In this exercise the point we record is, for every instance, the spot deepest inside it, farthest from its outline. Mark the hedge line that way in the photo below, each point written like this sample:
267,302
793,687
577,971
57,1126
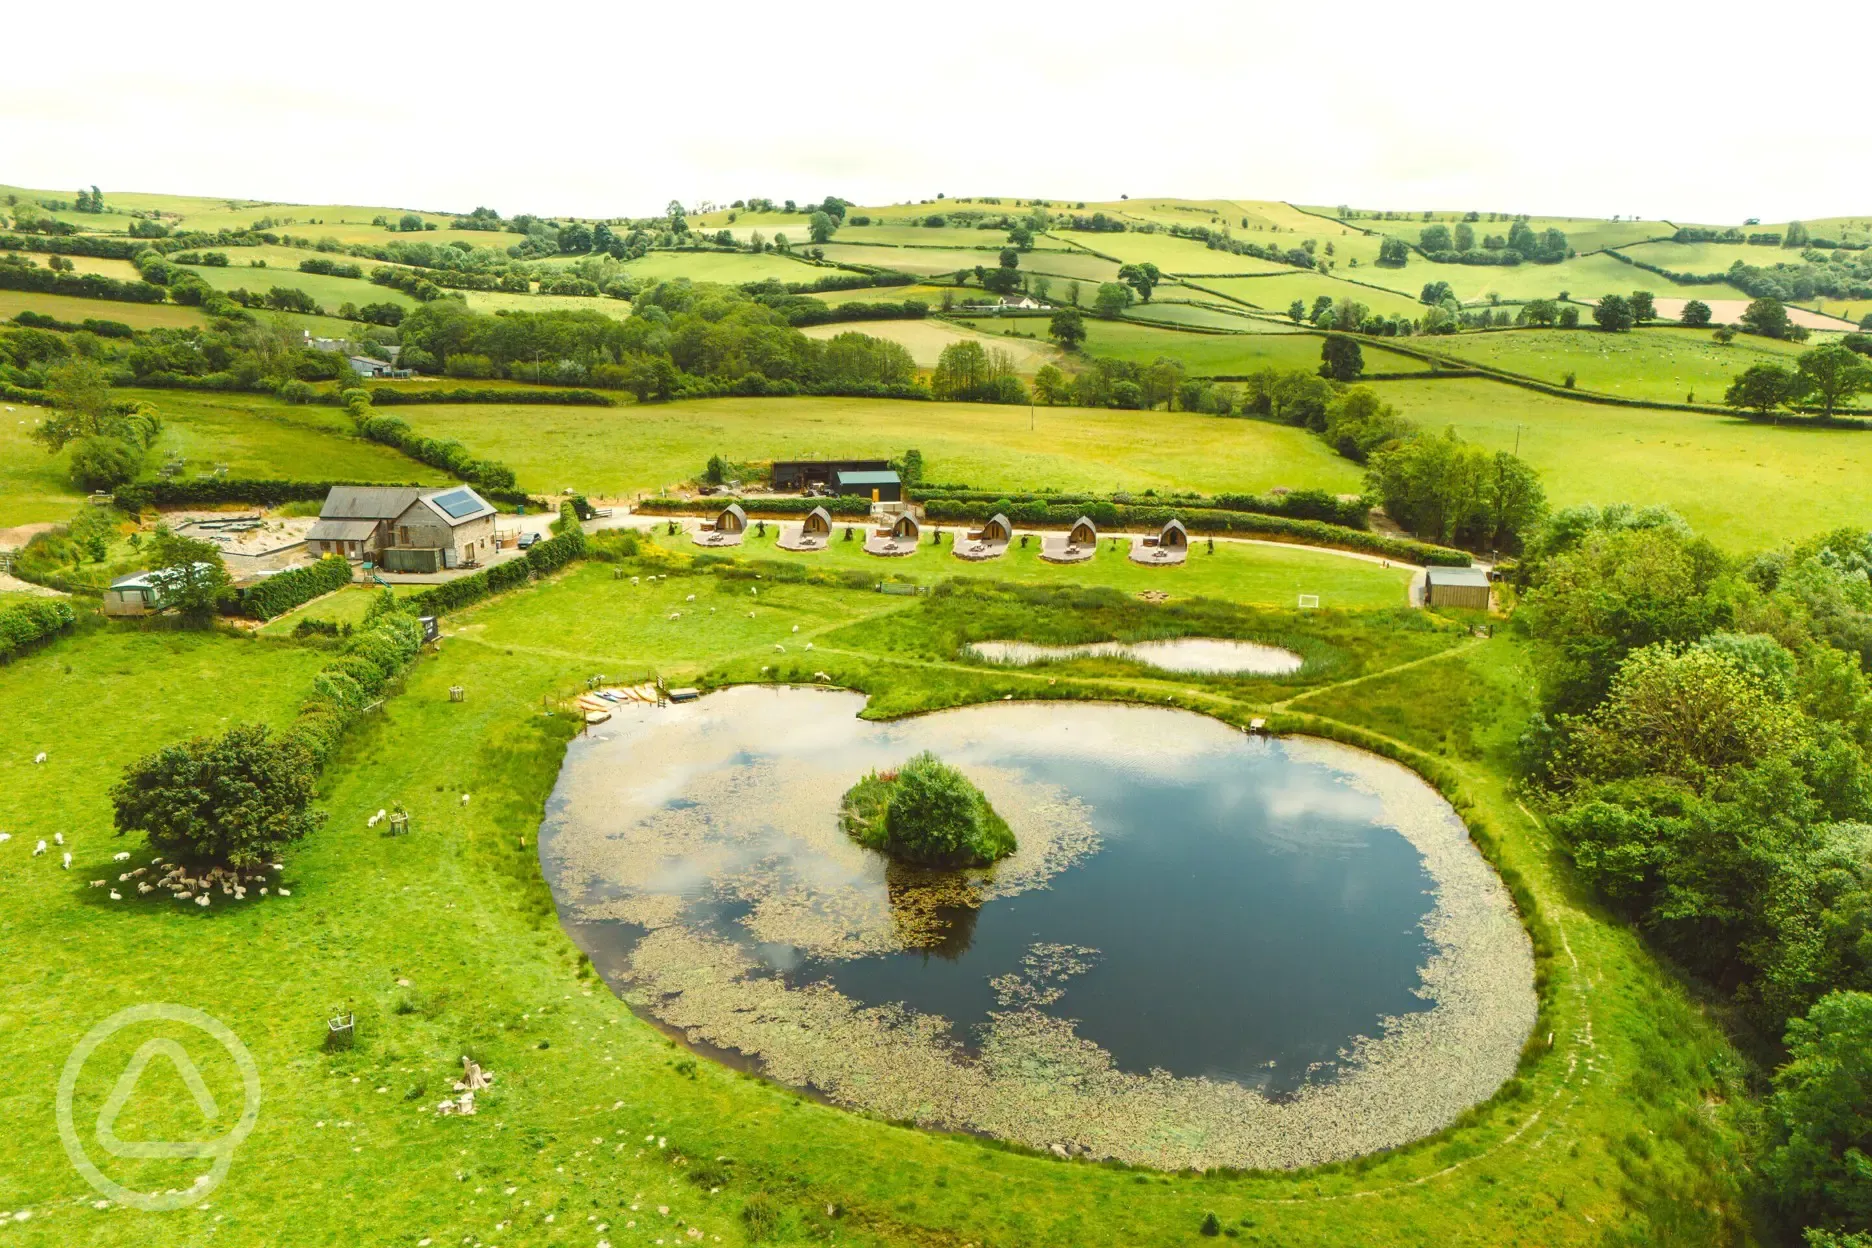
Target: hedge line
547,556
844,506
446,454
78,285
212,491
30,621
1207,520
384,396
375,656
756,386
1298,504
276,595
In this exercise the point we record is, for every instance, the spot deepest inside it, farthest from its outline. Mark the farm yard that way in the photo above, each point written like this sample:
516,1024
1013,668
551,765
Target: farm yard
1306,940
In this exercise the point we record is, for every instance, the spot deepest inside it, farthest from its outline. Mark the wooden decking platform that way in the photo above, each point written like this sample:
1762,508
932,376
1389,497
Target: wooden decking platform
888,546
977,552
793,538
709,537
1055,549
1145,550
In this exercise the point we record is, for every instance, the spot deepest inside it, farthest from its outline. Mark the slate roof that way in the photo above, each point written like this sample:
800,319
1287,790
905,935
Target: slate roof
368,502
342,531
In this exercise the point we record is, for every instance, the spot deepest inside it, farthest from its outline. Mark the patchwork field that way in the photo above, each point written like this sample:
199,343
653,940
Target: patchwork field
76,310
262,437
939,262
1741,484
1208,355
513,301
616,452
331,292
728,267
926,339
1275,293
1172,255
1661,365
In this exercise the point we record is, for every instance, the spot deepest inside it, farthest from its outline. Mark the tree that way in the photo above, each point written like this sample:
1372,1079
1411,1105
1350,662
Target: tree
1695,312
1430,485
1569,317
235,800
1762,388
1067,327
1832,374
820,226
1769,318
1112,299
1795,235
935,816
679,222
1340,358
1464,237
1296,311
1613,313
1434,238
1542,312
1434,293
409,223
1513,502
104,463
1643,308
1393,253
1821,1166
1142,278
1021,237
1050,386
190,571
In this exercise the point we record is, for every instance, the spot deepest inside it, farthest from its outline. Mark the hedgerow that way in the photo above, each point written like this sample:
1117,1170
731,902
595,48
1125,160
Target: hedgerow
277,595
843,506
31,621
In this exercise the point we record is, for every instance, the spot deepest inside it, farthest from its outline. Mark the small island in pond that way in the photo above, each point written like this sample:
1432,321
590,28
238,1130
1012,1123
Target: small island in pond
926,813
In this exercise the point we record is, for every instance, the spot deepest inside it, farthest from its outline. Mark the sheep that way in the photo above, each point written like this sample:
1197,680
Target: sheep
464,799
690,598
5,837
123,878
183,895
778,648
146,888
809,645
285,892
821,676
123,857
675,615
67,863
115,895
99,883
202,900
58,838
796,628
39,758
39,849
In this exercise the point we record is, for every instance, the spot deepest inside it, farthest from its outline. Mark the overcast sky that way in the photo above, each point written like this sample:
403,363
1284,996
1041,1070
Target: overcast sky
1585,108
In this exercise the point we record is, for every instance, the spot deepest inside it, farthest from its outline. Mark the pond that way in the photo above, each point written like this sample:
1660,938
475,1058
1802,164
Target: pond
1206,655
1208,949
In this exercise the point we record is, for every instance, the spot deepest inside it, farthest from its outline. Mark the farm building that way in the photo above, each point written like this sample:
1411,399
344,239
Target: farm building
403,528
881,487
1456,587
364,366
799,474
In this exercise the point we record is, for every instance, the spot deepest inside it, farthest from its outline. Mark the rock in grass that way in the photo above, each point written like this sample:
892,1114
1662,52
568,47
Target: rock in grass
926,813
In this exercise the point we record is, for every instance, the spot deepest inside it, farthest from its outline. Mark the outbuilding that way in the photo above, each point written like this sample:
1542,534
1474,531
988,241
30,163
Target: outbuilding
1456,587
880,486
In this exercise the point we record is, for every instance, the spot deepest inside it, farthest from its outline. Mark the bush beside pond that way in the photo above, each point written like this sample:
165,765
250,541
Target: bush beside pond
926,813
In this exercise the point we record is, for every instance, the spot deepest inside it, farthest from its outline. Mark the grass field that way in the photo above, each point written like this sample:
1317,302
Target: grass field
937,262
262,437
925,340
1236,571
331,292
1583,233
1274,294
931,295
1743,485
513,301
445,942
729,267
613,452
1174,305
74,309
34,487
1172,255
1208,355
1663,365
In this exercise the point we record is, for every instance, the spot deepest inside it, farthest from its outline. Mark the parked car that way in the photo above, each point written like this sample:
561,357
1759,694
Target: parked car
527,540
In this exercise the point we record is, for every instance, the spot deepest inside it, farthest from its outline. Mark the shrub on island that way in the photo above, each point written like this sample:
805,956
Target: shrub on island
926,813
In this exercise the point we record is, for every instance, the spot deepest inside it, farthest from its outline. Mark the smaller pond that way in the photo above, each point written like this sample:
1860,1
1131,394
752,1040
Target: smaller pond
1204,655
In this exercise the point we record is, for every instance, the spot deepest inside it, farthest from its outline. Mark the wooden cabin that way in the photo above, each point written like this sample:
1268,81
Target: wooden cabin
996,530
906,529
1082,533
731,519
818,523
1169,546
1174,535
1078,544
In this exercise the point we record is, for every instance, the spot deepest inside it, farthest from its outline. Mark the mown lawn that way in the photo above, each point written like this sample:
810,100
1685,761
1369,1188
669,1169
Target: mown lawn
1741,484
613,452
444,943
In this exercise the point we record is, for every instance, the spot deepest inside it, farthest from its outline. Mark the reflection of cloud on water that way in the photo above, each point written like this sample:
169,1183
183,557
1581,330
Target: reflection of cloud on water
766,770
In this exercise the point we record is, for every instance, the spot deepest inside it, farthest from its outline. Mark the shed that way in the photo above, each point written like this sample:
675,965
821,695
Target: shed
880,486
798,474
354,539
143,593
1456,587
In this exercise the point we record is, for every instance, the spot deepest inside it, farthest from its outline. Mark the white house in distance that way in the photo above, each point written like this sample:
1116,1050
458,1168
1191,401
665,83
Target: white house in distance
403,528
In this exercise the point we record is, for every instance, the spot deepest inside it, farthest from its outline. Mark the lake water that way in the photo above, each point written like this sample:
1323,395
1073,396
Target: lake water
1226,910
1206,655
